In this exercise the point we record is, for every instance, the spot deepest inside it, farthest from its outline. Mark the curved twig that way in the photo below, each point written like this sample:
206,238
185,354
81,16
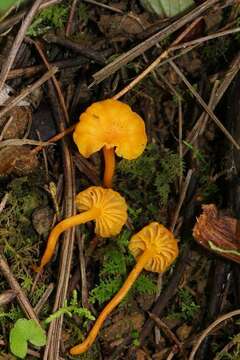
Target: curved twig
209,329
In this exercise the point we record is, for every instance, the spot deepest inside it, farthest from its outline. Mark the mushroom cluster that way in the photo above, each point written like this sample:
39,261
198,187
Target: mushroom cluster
112,126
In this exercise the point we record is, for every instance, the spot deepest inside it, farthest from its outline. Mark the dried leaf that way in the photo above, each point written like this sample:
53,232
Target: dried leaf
18,160
218,233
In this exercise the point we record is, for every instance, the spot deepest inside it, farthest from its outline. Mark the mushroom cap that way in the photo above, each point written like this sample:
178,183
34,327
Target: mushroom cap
110,123
112,206
155,236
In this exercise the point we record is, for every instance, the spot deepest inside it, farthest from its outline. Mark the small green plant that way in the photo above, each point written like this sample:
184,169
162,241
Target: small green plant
53,17
187,305
115,263
235,354
135,338
150,179
13,314
70,309
23,331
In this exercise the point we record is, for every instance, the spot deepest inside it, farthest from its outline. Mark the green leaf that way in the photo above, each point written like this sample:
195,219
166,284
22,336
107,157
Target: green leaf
18,342
36,335
5,4
166,7
23,331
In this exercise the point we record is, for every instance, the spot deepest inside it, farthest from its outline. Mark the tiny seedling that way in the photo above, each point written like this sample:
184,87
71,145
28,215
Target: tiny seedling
23,331
70,309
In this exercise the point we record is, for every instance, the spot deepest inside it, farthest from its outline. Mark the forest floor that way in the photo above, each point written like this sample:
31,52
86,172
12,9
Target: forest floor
179,72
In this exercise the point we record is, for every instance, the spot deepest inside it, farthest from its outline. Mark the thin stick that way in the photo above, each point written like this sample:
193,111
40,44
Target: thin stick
167,331
24,93
55,330
22,299
206,38
209,329
17,42
204,105
44,298
54,139
180,133
70,18
54,79
182,197
224,85
84,288
21,142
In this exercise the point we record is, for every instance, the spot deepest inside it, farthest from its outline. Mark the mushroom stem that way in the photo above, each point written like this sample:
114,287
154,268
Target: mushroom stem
85,345
60,228
109,159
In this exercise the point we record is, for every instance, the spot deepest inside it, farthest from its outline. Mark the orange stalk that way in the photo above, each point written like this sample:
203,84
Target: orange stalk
85,345
60,228
109,159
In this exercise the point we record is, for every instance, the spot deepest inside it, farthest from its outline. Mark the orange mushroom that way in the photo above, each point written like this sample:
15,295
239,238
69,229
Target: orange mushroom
111,125
155,248
107,207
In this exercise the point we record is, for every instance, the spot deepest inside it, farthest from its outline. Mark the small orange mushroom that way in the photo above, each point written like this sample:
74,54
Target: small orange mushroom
106,206
111,125
155,248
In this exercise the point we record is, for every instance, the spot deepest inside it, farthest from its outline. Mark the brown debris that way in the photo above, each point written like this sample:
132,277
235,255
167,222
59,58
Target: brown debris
15,122
17,160
219,233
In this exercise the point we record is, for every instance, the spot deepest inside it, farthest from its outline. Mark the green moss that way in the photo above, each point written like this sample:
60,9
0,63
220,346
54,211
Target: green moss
116,263
17,236
52,18
147,182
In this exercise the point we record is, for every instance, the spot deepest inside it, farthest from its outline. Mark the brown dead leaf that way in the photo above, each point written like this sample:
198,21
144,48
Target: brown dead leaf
184,331
122,25
15,122
122,325
17,160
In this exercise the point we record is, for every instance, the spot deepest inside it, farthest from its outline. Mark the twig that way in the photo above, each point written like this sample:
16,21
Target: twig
3,202
153,40
33,70
88,53
224,85
204,105
54,139
167,331
180,133
20,142
44,298
181,199
169,292
84,288
22,299
55,330
70,18
24,93
206,38
17,42
54,79
225,350
108,7
209,329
